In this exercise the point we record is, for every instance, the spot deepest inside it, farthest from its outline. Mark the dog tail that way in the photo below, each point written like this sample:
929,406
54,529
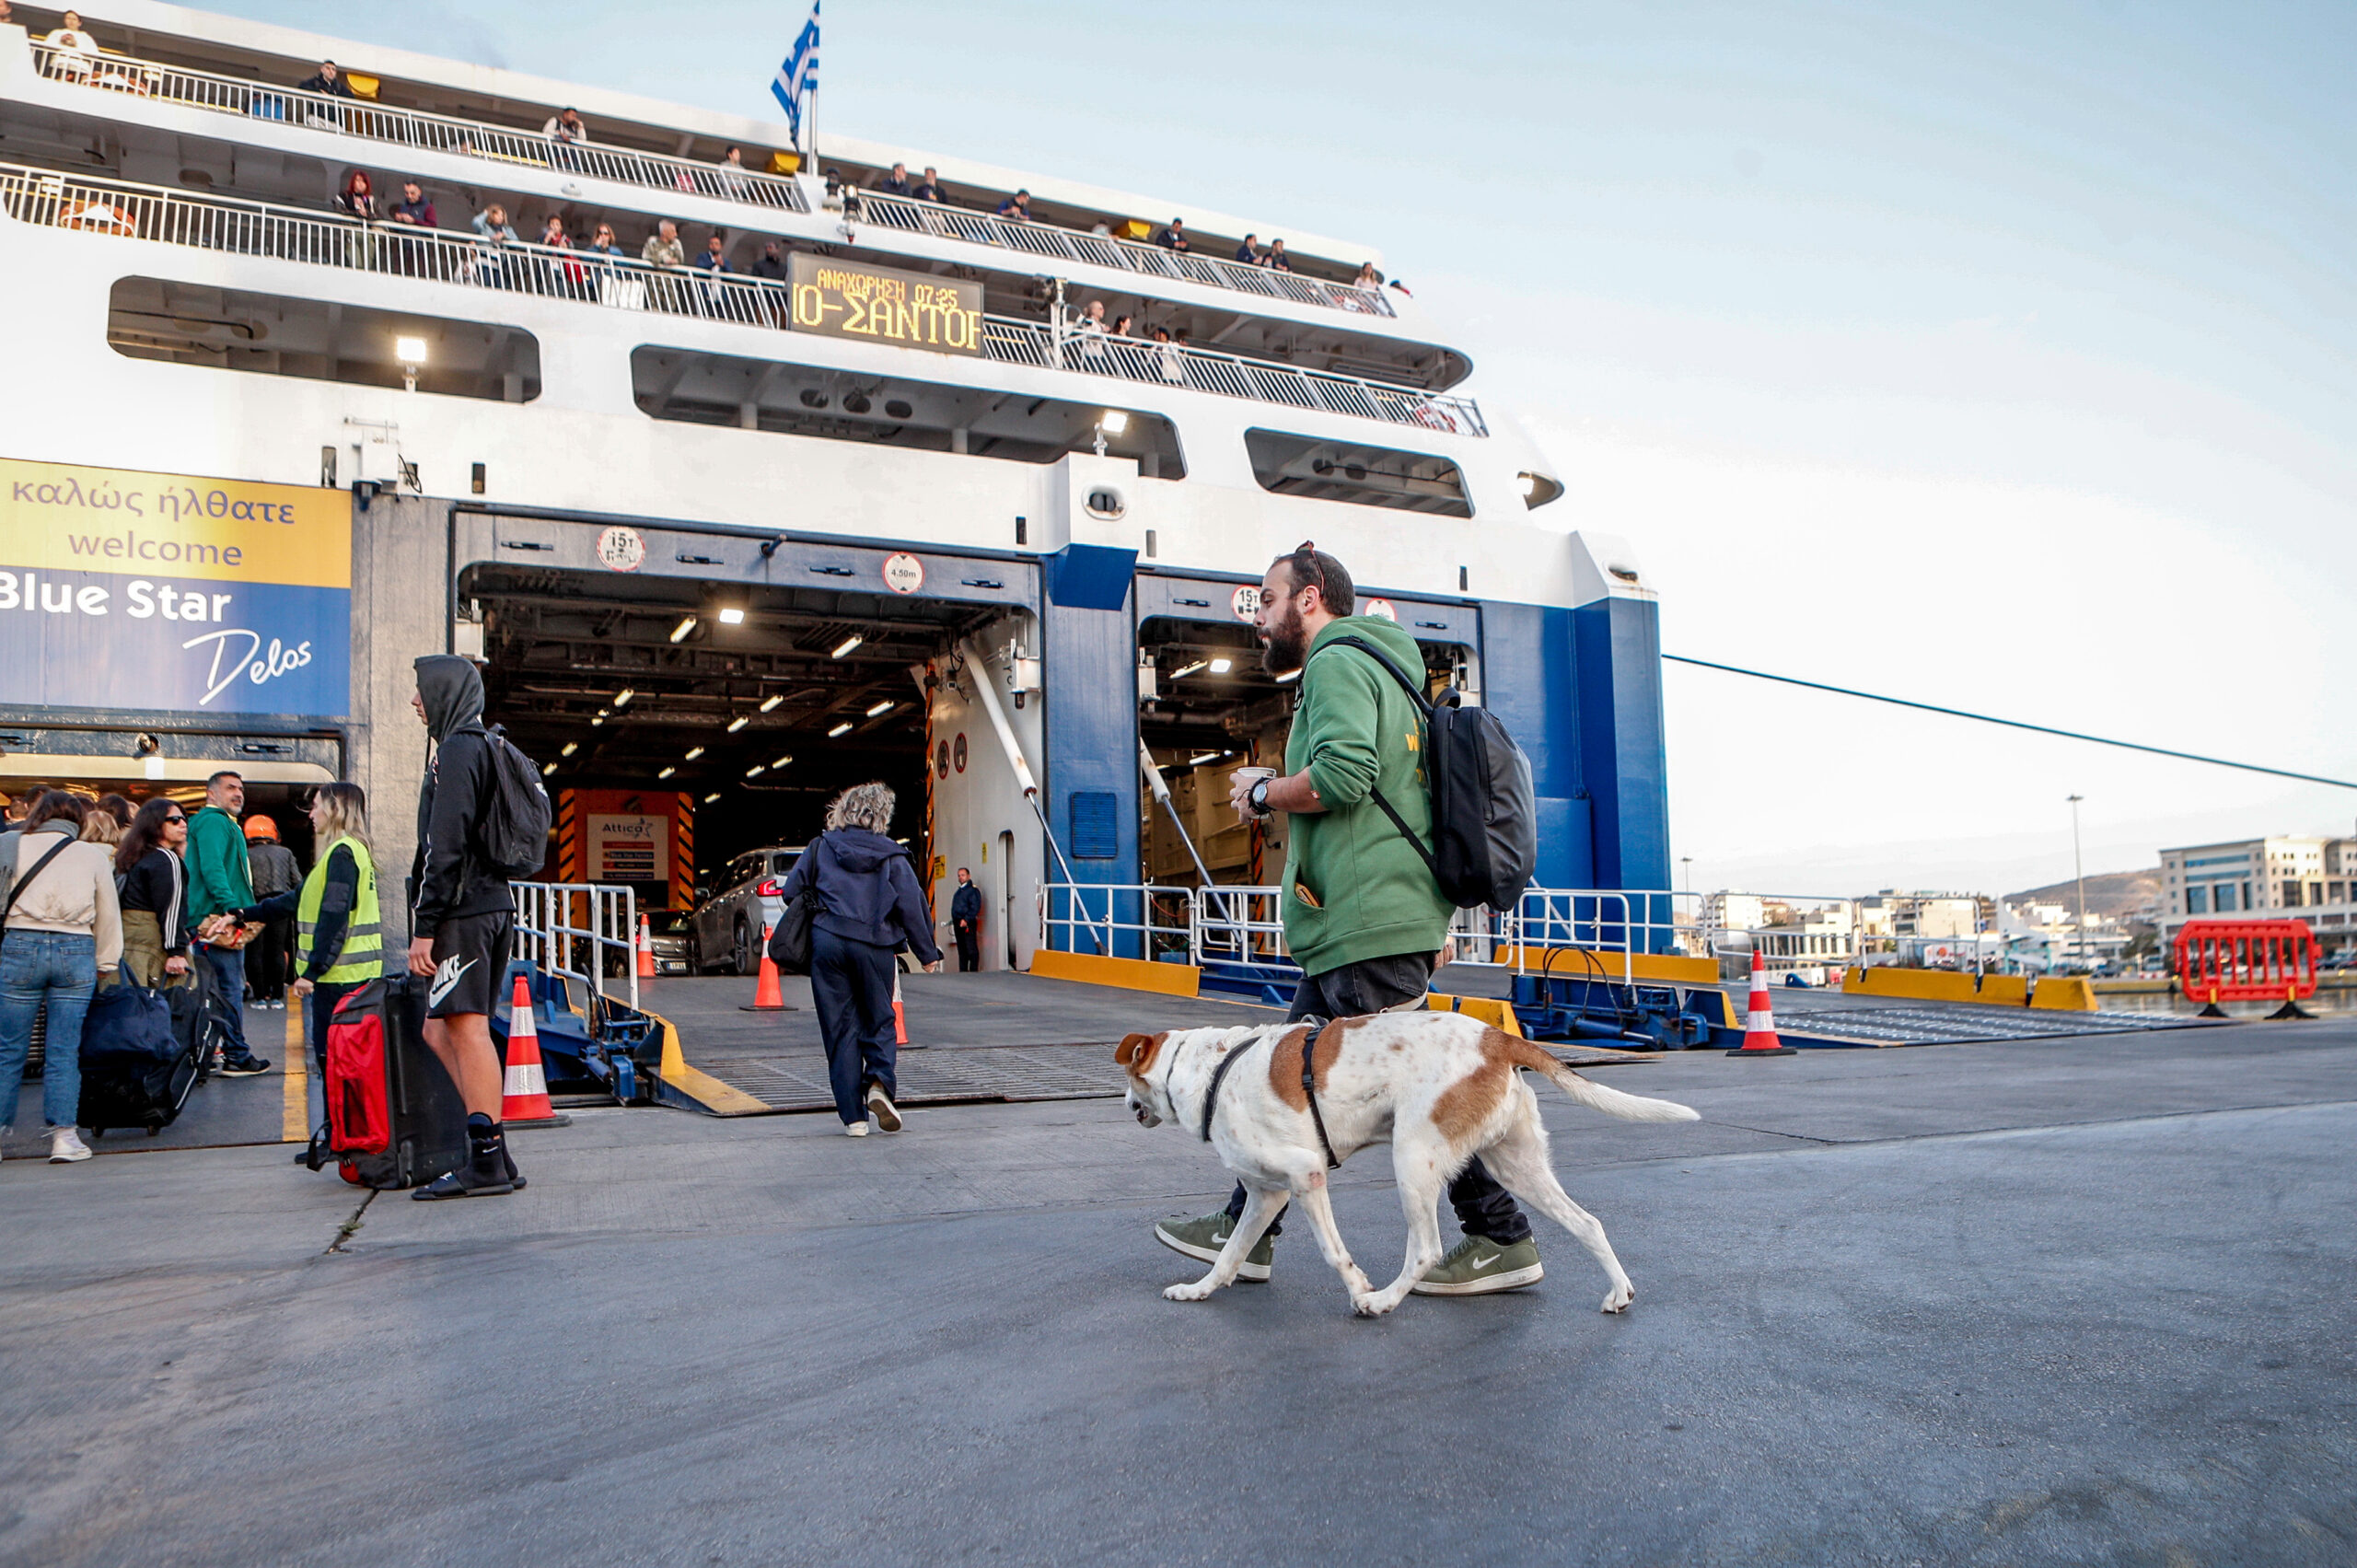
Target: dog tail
1595,1095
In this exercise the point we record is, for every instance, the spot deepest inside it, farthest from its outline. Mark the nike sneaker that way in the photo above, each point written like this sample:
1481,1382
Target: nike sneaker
1204,1238
1478,1266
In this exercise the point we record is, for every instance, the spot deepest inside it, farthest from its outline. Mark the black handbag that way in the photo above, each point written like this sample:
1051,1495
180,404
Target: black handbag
790,942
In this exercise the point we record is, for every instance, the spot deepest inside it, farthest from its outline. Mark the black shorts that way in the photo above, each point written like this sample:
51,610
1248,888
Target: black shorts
469,963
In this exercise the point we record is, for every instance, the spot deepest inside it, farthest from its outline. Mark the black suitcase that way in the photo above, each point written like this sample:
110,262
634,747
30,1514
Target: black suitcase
423,1115
136,1069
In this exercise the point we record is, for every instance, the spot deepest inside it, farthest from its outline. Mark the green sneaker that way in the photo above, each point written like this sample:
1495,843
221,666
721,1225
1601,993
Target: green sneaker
1204,1238
1477,1266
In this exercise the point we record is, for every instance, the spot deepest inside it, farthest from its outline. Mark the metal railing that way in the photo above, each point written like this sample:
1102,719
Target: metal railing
622,282
581,929
912,217
1613,925
418,131
1095,917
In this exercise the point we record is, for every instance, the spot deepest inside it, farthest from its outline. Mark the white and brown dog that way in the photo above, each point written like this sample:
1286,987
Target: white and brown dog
1439,1087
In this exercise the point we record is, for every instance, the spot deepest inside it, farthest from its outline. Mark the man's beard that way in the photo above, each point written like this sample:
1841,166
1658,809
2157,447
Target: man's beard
1288,643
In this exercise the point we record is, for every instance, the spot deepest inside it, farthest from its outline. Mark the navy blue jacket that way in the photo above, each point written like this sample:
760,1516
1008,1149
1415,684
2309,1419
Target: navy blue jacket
966,905
868,890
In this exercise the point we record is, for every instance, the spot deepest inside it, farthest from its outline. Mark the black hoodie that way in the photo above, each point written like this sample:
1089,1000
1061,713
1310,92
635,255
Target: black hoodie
869,891
450,876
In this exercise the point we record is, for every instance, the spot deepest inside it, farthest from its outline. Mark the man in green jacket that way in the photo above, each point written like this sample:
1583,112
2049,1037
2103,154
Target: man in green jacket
221,881
1363,915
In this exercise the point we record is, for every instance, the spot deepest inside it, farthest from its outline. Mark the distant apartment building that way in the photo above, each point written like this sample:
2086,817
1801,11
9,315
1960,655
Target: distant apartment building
2284,875
1920,913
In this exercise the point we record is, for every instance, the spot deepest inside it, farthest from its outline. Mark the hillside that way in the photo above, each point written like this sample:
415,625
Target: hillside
2108,892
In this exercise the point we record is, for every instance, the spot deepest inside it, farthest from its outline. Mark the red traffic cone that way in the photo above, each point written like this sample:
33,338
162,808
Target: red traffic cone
524,1099
645,950
900,1018
768,996
1759,1028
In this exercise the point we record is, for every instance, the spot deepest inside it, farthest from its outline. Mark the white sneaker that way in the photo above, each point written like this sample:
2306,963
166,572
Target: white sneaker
65,1146
879,1105
856,1129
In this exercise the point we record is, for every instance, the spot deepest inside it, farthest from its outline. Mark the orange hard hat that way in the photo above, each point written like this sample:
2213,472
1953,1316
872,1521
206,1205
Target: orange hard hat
260,828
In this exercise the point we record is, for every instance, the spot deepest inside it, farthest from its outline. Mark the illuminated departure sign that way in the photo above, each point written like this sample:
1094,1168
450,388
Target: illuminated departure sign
848,300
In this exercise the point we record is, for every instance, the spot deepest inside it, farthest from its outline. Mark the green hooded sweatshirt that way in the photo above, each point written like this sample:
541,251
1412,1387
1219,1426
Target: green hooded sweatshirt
219,877
1355,889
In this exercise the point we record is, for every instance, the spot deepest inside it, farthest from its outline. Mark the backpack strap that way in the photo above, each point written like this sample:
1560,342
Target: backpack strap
1424,707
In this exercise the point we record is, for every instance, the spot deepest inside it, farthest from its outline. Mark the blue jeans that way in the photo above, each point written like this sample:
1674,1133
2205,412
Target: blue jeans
229,968
850,985
62,966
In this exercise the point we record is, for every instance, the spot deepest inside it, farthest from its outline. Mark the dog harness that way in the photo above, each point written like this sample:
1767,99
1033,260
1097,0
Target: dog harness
1308,1088
1211,1095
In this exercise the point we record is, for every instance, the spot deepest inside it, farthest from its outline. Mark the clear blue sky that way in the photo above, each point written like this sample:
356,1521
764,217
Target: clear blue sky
1998,356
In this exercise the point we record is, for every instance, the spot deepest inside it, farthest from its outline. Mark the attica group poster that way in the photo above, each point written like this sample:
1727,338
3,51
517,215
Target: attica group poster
147,591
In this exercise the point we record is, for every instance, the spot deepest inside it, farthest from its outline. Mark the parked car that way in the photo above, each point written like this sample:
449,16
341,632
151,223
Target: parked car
671,933
742,903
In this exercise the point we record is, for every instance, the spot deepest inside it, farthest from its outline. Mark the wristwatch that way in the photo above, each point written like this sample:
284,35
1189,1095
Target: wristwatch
1258,798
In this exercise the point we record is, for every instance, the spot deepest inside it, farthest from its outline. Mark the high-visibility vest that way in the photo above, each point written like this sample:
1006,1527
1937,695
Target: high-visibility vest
362,956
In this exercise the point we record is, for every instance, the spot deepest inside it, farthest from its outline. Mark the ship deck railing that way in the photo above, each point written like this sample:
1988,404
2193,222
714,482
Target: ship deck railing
522,147
416,130
232,225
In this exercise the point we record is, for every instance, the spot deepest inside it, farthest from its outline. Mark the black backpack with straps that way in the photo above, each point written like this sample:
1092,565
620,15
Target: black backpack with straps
1485,816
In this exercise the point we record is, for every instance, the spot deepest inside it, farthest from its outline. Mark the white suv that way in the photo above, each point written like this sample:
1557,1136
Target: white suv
744,902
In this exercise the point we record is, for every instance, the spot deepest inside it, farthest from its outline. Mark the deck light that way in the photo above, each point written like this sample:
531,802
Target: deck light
1288,677
622,697
1113,422
739,722
546,768
410,351
754,771
713,797
842,728
597,719
570,748
848,644
770,703
732,616
1200,758
1185,670
1221,665
880,709
694,753
667,772
782,762
680,632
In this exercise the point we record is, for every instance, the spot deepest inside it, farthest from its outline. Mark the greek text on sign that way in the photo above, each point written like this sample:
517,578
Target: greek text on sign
851,299
621,549
1245,602
903,573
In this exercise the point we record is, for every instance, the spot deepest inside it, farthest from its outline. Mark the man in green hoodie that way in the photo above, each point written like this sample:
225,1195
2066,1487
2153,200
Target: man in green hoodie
221,881
1363,915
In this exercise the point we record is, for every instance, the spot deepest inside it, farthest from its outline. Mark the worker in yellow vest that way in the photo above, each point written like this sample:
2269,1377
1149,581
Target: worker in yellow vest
339,935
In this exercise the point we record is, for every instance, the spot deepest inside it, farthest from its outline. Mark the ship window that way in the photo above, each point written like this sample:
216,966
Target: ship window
318,339
1347,471
891,411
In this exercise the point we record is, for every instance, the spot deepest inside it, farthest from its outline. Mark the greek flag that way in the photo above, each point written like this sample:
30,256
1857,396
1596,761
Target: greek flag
799,75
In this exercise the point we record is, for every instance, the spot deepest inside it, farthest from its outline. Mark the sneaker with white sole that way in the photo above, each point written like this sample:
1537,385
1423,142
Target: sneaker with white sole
1203,1239
65,1146
1478,1266
856,1129
879,1105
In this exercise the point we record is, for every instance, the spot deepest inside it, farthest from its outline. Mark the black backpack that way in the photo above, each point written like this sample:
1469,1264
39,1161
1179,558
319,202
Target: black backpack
517,820
1485,816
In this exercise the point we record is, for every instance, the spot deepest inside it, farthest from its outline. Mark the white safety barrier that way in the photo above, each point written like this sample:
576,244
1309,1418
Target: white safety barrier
582,929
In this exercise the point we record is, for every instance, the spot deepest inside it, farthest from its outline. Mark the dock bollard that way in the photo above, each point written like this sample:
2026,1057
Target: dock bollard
1759,1025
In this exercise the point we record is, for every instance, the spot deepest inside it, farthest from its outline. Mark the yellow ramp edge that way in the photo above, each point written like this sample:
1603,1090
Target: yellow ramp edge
1491,1010
708,1091
1673,969
2066,993
1131,974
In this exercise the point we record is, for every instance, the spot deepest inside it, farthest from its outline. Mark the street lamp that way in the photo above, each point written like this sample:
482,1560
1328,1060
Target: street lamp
2079,869
410,351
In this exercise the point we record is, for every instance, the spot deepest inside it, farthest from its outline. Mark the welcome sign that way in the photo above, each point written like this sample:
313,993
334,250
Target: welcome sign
143,591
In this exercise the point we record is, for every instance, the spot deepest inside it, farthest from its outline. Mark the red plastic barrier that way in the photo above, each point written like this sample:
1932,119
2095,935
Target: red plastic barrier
2246,961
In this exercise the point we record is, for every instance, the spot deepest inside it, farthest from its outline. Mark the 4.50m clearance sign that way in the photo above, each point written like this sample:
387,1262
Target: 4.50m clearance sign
154,591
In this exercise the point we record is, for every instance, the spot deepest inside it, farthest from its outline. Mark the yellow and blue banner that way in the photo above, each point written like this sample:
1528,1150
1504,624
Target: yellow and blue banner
146,591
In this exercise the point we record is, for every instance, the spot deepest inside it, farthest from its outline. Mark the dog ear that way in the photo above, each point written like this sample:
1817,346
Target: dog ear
1133,1046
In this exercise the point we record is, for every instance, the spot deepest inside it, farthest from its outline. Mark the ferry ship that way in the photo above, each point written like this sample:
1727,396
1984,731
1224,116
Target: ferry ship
973,503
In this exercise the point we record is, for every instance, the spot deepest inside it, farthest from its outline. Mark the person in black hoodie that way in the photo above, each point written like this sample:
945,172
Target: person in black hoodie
462,917
869,905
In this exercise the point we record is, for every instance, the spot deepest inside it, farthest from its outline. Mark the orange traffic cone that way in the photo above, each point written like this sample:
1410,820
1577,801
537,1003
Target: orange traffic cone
768,996
900,1018
525,1103
1759,1028
645,950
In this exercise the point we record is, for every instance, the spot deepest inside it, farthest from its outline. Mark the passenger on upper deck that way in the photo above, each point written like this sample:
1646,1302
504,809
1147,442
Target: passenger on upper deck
663,248
77,50
413,208
897,182
602,243
713,257
733,180
487,267
929,188
773,262
327,81
1017,206
1248,254
1174,237
1368,277
1276,259
358,197
567,125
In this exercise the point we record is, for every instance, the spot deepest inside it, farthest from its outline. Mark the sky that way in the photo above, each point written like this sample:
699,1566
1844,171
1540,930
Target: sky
1998,356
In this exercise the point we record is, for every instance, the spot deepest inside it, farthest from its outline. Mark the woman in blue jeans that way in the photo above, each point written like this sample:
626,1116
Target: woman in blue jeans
870,904
64,929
